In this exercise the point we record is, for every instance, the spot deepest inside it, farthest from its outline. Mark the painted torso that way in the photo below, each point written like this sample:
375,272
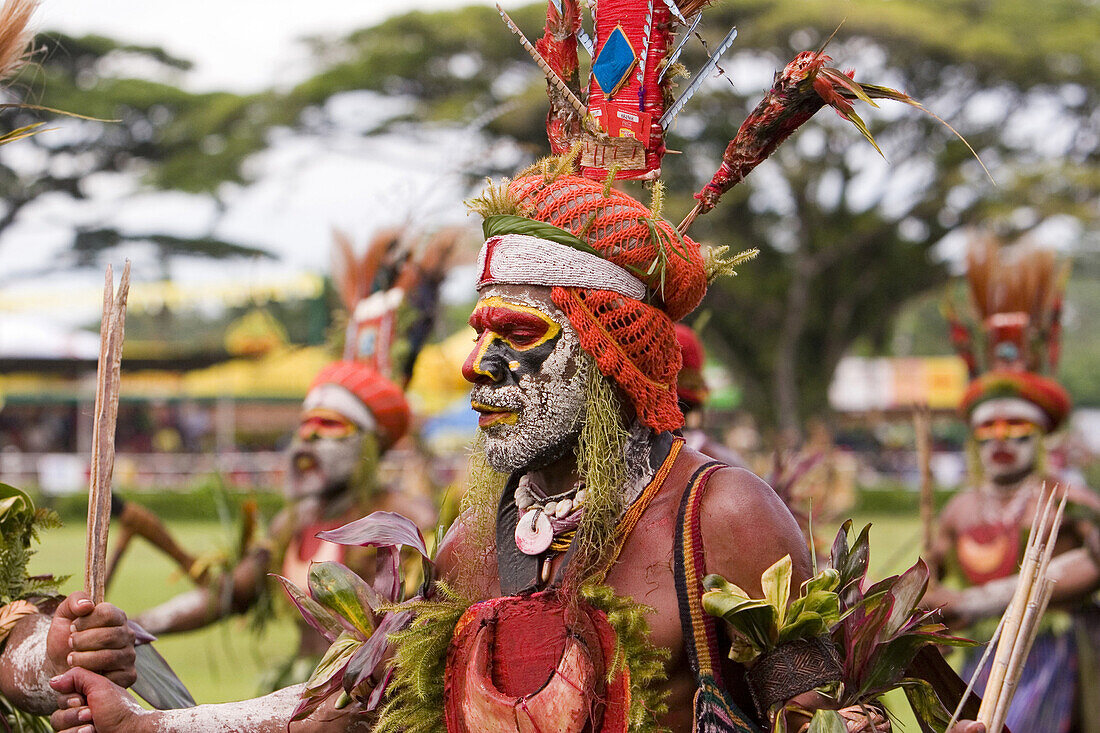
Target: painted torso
643,572
989,531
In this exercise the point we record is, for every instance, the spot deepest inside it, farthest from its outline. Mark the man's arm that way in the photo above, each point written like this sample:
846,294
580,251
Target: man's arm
79,633
203,606
86,698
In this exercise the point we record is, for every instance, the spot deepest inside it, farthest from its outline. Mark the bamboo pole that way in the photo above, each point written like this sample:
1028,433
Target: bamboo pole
977,672
1021,620
922,426
108,373
1013,618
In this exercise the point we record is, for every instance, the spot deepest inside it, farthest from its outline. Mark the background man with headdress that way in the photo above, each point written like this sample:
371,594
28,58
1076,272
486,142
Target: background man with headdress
1011,407
692,391
354,412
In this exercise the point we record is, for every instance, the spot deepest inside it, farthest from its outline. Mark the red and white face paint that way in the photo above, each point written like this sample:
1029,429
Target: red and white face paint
327,444
1009,432
529,375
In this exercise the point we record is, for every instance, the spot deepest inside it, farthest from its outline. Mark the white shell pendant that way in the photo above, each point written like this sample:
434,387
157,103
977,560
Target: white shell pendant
534,533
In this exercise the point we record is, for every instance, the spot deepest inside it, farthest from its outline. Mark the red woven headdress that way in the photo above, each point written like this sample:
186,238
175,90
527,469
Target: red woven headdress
628,332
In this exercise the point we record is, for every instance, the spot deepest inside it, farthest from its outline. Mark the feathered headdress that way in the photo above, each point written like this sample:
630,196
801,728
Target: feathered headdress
1017,301
619,122
619,271
391,294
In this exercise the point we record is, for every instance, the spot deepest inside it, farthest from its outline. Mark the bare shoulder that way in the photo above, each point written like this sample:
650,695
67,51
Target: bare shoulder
962,504
465,555
746,528
1083,496
281,523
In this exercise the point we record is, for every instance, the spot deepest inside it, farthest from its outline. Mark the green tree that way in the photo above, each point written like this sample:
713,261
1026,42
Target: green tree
845,239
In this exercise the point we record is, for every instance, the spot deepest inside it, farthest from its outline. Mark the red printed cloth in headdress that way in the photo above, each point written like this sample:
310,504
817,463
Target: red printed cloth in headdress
624,317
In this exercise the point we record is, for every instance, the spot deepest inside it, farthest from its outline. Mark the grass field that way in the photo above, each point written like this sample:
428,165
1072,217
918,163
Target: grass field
220,663
226,661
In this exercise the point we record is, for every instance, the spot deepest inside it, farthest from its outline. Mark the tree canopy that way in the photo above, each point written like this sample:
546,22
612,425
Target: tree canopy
846,238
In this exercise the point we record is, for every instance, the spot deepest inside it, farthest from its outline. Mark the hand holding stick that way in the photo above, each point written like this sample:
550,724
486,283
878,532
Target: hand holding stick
111,332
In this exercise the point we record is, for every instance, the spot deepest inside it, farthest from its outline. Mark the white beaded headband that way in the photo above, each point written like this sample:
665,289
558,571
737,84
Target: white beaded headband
521,259
1008,408
340,399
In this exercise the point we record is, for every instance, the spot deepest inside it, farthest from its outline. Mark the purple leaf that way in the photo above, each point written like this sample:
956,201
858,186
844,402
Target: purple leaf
380,529
387,573
308,704
907,591
379,690
839,555
316,615
366,658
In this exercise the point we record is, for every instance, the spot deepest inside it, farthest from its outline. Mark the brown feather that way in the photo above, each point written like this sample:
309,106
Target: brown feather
16,35
379,251
344,269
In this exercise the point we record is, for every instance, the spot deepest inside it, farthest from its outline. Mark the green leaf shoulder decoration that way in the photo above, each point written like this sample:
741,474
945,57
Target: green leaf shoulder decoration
21,594
387,652
877,628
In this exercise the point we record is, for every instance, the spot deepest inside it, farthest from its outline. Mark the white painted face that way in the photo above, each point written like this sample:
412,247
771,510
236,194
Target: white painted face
529,377
323,454
1008,442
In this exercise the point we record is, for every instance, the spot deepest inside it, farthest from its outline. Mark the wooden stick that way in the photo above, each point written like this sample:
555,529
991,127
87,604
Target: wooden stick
1023,620
108,374
1037,602
551,76
1013,618
922,426
1037,605
977,672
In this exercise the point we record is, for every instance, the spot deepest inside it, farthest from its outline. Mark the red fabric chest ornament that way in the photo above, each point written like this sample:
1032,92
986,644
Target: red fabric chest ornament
533,664
988,552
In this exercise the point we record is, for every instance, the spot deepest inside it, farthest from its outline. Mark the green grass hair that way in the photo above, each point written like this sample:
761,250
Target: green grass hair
635,653
414,699
601,462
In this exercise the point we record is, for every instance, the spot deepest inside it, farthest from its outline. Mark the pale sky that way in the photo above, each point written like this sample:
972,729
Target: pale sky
238,45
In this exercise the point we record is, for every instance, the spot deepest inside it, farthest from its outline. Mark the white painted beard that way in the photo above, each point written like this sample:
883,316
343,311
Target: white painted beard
1009,460
318,466
549,406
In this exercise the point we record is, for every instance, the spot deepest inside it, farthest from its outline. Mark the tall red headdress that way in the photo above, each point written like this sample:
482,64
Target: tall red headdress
1017,299
620,272
390,293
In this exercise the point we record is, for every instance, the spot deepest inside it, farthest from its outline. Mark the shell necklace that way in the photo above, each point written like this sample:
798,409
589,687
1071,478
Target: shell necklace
542,518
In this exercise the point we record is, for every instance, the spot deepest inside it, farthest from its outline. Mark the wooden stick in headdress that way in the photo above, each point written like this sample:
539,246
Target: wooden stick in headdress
922,425
111,331
803,87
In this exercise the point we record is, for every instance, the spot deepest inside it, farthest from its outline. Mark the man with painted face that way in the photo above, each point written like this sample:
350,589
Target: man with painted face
573,578
1011,407
351,415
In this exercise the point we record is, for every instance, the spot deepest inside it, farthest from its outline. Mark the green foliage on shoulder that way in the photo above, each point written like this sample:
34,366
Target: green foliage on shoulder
414,701
644,663
20,523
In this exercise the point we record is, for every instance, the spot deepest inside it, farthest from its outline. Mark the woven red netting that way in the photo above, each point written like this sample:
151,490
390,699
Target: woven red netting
633,342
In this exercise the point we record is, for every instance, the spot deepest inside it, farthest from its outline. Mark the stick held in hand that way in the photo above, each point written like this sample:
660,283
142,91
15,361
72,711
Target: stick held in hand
108,373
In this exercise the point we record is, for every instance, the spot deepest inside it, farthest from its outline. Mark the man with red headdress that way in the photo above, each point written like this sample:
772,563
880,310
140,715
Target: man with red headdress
354,411
691,389
569,593
1011,407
